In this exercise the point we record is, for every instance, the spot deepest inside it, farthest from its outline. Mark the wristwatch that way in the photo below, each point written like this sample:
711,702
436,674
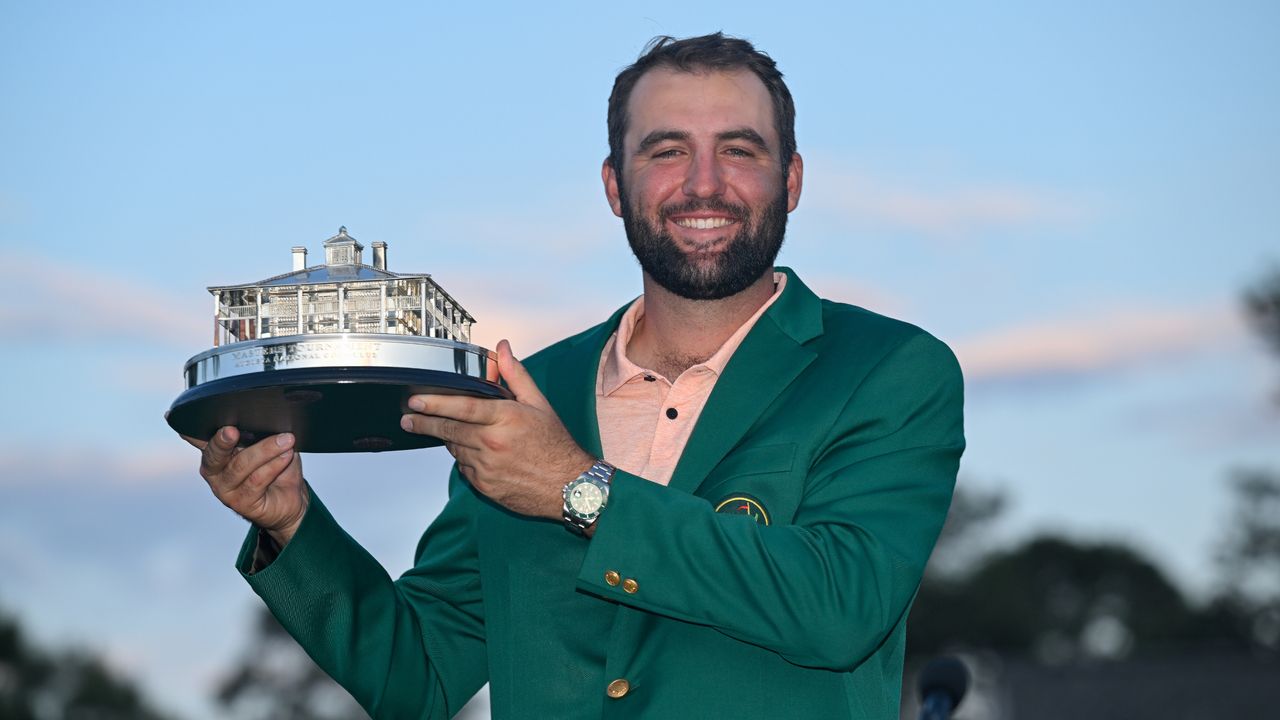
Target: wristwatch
585,497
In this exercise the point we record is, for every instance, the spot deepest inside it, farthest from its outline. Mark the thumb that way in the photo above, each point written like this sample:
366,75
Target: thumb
518,379
221,447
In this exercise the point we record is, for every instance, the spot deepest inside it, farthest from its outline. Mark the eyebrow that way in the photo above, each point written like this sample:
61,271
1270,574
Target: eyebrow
661,136
747,134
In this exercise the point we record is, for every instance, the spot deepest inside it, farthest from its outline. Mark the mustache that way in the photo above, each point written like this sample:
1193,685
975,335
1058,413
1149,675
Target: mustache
718,205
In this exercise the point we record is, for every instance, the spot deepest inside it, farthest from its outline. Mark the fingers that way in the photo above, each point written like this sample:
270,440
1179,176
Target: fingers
249,460
519,379
267,472
459,407
245,465
481,411
452,432
219,450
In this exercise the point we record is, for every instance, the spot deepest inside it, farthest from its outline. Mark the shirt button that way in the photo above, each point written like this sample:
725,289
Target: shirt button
612,577
672,413
630,585
618,688
649,378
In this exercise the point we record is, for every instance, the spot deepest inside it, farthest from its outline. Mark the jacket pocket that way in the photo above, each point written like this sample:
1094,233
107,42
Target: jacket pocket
759,481
756,460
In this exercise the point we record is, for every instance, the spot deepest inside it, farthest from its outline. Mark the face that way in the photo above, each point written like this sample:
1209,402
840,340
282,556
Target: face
702,194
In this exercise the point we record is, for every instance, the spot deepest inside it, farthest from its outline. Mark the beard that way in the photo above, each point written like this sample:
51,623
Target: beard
745,258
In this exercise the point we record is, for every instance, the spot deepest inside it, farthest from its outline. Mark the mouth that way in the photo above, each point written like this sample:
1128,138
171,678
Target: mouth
703,223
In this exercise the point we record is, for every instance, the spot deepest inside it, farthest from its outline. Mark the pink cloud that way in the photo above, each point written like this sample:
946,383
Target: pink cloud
1091,343
947,212
63,301
531,328
533,310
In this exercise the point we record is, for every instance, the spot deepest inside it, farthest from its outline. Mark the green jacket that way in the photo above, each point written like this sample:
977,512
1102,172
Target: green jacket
843,427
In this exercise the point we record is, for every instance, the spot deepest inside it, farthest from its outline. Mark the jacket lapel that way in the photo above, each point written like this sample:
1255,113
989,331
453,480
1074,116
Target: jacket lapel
571,382
766,362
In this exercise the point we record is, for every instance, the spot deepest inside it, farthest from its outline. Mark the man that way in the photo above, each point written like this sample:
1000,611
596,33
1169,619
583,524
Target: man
752,478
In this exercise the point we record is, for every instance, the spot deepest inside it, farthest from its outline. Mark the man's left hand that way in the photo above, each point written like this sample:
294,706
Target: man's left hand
515,452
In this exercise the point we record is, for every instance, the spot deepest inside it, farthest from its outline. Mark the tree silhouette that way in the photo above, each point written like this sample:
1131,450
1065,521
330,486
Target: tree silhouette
1058,601
74,685
1063,600
1262,308
1249,552
1262,305
942,605
1249,556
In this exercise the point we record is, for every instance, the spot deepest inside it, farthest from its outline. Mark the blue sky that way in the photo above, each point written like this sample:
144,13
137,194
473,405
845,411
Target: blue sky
1072,197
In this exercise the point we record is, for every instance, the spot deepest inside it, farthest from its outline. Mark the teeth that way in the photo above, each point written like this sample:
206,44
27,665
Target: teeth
703,223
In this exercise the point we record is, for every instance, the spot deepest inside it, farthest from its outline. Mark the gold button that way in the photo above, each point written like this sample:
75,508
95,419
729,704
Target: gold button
618,688
630,585
613,578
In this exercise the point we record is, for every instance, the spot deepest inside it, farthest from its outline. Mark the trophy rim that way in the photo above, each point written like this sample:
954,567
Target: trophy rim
337,392
263,404
329,350
344,336
453,383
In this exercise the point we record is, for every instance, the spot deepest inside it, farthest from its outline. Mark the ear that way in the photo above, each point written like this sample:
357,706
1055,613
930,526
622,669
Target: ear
610,179
795,181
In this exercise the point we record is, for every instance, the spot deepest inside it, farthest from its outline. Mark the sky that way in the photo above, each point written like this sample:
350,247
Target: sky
1072,196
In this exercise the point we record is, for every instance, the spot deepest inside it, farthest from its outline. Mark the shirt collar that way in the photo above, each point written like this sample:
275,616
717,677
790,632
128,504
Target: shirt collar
616,369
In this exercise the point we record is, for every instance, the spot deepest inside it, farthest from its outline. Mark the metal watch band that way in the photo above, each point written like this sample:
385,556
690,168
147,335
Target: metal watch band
599,474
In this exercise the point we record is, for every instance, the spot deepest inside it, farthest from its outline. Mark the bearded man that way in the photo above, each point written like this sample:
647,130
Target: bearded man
751,478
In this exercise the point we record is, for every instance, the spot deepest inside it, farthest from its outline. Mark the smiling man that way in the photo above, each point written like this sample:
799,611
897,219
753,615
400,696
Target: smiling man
707,193
717,503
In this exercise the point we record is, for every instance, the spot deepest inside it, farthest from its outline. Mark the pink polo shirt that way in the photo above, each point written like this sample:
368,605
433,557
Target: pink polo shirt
645,419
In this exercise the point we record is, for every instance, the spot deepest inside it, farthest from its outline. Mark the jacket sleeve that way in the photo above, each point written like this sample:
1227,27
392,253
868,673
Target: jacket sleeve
412,648
826,590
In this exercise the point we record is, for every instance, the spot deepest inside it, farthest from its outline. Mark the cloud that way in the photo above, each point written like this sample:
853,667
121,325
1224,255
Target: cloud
58,300
571,223
947,212
1088,344
74,465
531,329
533,309
838,286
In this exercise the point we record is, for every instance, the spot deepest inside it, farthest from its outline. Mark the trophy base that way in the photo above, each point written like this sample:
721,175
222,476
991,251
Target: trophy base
328,409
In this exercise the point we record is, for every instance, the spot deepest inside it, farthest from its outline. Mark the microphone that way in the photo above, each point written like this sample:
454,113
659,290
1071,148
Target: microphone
942,685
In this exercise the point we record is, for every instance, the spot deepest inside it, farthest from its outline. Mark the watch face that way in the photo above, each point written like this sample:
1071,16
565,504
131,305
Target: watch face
585,498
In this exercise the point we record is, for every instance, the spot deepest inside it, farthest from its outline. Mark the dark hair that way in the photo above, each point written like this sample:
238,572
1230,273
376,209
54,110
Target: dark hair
708,52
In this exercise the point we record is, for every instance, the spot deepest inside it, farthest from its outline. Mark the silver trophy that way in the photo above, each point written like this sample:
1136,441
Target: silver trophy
332,353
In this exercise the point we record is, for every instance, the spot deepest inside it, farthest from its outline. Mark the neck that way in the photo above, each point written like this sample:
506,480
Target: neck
677,333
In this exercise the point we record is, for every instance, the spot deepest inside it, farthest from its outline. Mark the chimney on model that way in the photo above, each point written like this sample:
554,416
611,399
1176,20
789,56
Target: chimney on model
380,255
299,257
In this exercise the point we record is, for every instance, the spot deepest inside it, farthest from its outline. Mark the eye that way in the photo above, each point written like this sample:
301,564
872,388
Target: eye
739,152
667,153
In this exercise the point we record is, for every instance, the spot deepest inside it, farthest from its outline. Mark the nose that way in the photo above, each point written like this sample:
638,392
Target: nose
704,177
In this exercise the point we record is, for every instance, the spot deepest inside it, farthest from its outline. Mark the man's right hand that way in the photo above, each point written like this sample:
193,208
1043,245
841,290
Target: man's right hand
262,483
